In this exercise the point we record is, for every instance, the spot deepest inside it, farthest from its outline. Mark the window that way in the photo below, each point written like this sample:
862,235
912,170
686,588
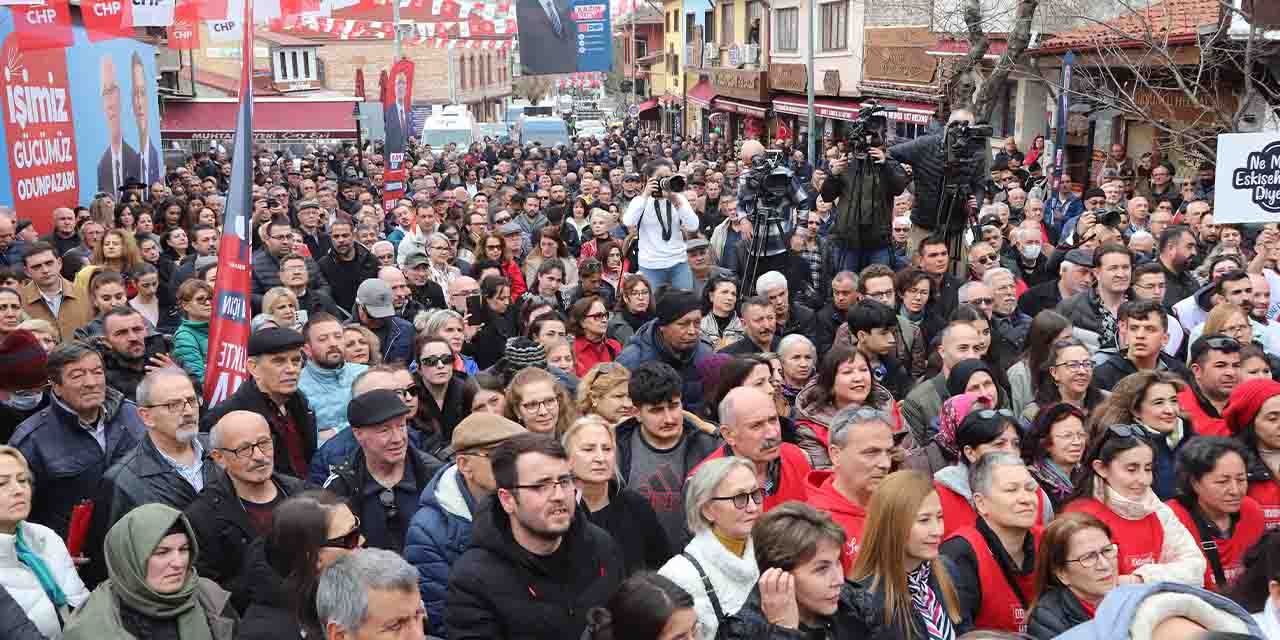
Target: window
294,65
1003,116
475,72
726,24
462,73
786,32
642,49
709,25
835,25
691,33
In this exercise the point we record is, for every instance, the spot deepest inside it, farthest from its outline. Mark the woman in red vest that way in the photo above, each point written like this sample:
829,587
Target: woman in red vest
1253,416
1213,506
1115,487
994,559
981,432
1075,570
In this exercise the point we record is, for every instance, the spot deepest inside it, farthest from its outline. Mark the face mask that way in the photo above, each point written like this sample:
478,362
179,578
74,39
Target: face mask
1031,251
25,400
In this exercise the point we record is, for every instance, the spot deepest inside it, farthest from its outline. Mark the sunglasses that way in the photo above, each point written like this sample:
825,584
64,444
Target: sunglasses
435,361
389,505
1127,431
349,540
988,414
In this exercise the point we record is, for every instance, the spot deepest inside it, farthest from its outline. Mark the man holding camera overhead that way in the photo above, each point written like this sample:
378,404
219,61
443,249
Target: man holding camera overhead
862,185
662,215
927,156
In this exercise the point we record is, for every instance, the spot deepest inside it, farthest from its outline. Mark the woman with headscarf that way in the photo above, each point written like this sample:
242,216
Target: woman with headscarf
152,590
941,452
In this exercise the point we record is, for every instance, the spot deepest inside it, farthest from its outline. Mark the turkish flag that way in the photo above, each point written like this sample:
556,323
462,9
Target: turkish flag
46,27
107,19
299,7
184,33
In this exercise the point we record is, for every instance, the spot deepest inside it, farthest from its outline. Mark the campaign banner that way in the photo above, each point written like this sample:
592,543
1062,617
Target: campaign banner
564,36
1247,179
184,33
152,13
44,27
107,19
397,122
77,120
229,327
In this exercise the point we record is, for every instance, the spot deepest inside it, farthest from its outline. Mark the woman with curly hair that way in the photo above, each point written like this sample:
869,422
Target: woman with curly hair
844,380
1149,399
603,391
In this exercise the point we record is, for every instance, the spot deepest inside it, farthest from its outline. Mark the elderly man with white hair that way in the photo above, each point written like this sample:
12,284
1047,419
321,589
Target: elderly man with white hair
1029,245
385,252
1009,327
366,594
791,317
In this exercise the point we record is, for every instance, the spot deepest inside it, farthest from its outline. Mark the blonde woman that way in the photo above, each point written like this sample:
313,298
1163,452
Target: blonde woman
536,400
625,514
281,305
603,392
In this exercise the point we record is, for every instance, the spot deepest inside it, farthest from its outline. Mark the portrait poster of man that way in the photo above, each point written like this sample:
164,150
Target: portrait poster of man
548,36
398,106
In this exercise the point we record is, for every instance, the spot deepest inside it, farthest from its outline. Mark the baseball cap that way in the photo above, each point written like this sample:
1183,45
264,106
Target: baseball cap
375,296
416,258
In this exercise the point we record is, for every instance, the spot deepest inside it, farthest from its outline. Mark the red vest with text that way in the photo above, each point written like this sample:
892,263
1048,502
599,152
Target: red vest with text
1140,541
1248,530
1267,495
958,514
791,477
1001,608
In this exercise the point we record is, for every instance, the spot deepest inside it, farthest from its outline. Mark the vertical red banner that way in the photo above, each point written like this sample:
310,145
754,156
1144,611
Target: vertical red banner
184,33
107,19
45,27
40,133
397,104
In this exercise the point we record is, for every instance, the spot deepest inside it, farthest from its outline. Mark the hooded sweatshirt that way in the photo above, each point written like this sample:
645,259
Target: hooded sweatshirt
1133,611
849,515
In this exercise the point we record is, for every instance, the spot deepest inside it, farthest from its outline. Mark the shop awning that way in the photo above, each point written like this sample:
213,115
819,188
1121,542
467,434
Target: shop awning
272,120
913,112
701,94
648,104
740,106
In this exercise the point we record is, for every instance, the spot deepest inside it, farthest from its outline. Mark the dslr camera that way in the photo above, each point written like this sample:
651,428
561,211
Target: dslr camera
674,183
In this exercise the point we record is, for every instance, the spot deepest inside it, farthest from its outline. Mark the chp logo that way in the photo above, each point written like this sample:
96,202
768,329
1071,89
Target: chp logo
1261,177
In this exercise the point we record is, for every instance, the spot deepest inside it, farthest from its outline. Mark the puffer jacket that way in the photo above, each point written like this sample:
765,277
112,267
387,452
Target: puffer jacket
19,581
337,449
861,611
1055,611
438,535
497,589
328,391
647,345
191,348
750,623
67,461
1158,601
813,420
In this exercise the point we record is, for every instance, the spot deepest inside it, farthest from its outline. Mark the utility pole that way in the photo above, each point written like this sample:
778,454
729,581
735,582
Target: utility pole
809,83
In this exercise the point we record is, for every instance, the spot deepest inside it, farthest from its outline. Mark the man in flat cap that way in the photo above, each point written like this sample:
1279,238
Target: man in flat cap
275,363
441,529
383,479
313,233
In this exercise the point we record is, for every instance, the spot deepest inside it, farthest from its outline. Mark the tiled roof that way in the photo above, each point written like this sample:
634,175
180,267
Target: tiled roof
1176,20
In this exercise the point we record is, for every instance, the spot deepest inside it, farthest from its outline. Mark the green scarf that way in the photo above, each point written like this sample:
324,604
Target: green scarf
32,560
128,545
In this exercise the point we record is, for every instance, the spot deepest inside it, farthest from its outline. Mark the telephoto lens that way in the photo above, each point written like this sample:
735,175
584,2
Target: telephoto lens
672,184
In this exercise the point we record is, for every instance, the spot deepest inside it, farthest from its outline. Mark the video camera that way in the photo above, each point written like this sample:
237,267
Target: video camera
965,141
868,129
768,177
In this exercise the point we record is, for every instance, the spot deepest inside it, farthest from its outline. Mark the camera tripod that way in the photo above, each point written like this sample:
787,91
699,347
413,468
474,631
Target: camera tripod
764,220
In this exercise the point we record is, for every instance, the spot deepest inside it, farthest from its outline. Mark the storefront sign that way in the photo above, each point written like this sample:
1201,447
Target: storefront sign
788,77
261,136
900,54
748,85
831,82
1174,104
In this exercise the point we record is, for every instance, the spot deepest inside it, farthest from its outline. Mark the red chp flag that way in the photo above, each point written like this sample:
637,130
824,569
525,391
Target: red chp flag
43,27
107,19
184,33
229,327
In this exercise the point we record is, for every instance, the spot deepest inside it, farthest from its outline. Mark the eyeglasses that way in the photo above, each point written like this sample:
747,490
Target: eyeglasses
534,406
349,540
924,293
410,391
987,259
988,414
1076,365
502,220
740,500
178,404
549,487
597,316
265,445
982,302
435,361
1092,560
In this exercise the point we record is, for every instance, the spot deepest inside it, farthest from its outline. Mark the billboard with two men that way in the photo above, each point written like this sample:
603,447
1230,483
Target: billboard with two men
564,36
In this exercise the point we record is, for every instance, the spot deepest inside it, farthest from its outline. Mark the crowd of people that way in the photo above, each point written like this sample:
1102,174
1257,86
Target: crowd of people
616,391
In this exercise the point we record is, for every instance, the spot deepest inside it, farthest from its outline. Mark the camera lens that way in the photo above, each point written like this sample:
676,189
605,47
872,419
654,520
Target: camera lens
672,184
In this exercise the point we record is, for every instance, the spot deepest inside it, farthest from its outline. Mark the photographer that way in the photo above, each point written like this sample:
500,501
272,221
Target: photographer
927,156
768,251
865,183
661,214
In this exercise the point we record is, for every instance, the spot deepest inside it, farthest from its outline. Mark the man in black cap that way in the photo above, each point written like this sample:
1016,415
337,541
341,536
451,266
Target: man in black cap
1075,276
275,362
672,337
383,479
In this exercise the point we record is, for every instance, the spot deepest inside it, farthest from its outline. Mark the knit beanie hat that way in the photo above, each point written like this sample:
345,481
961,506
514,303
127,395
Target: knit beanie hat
1246,400
522,353
675,304
22,362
